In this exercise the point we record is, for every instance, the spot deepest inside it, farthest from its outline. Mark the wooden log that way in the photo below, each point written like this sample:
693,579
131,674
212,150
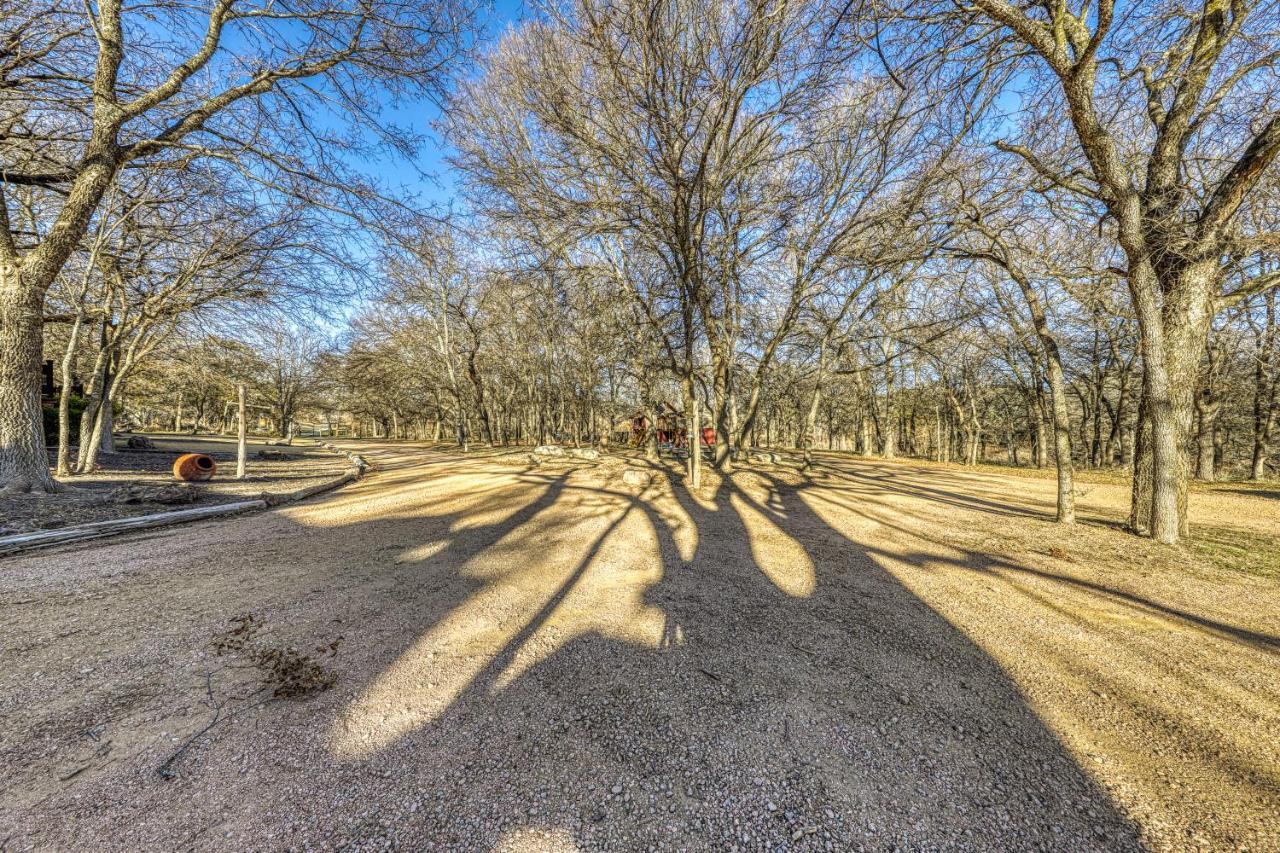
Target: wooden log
275,499
94,529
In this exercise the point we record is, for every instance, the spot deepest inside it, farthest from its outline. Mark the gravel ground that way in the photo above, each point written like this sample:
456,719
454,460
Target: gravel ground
101,495
874,656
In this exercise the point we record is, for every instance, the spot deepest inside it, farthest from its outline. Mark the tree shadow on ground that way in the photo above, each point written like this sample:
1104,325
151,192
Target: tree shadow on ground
780,689
854,501
550,658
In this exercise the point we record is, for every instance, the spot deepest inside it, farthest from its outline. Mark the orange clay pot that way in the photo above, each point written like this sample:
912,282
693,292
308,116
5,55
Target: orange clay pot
194,467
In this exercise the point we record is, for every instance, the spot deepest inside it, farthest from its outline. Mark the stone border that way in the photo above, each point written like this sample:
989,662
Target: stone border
10,545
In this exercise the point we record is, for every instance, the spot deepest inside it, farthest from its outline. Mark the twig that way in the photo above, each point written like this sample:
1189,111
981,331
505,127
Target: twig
167,771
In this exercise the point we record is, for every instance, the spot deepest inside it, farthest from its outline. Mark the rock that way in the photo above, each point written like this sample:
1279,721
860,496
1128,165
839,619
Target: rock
584,453
548,450
636,477
140,442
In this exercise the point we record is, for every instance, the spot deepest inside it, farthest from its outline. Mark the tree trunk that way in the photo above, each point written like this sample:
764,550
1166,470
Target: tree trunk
107,427
24,462
939,443
1264,388
64,399
1066,508
1066,513
242,432
99,435
867,440
694,442
1207,408
889,448
723,401
1173,337
810,424
650,432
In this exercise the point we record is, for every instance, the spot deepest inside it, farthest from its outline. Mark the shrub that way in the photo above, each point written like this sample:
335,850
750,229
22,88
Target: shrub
51,420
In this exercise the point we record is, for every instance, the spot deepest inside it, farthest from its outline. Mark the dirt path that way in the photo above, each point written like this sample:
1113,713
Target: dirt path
543,658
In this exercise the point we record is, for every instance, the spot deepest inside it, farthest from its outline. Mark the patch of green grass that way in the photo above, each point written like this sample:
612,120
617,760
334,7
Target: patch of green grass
1237,550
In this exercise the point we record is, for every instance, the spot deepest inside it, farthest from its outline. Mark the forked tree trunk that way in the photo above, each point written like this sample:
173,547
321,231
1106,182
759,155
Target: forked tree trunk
99,436
97,387
24,463
1173,337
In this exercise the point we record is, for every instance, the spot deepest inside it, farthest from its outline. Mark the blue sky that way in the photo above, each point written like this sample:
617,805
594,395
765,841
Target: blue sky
439,187
426,176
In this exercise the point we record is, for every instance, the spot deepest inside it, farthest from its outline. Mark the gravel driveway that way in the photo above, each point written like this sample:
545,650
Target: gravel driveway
525,657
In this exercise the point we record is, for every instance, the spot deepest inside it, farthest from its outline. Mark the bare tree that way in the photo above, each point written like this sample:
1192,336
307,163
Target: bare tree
89,91
1165,120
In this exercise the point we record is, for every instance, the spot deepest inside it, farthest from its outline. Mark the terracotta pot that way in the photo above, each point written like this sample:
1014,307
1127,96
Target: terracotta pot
194,467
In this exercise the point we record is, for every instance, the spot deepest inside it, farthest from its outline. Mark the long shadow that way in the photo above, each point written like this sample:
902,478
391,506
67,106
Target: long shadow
984,562
854,715
907,482
987,563
1265,494
805,701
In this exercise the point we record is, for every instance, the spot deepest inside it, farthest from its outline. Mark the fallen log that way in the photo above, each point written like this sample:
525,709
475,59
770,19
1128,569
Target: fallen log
97,529
277,498
94,529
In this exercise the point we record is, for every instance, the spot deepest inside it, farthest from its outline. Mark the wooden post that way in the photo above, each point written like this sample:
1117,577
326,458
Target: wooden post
241,434
695,455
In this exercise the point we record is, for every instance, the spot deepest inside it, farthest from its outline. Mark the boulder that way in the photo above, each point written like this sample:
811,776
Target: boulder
584,453
548,450
636,477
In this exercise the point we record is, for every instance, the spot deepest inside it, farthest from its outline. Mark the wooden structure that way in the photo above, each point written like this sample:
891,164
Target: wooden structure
671,427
